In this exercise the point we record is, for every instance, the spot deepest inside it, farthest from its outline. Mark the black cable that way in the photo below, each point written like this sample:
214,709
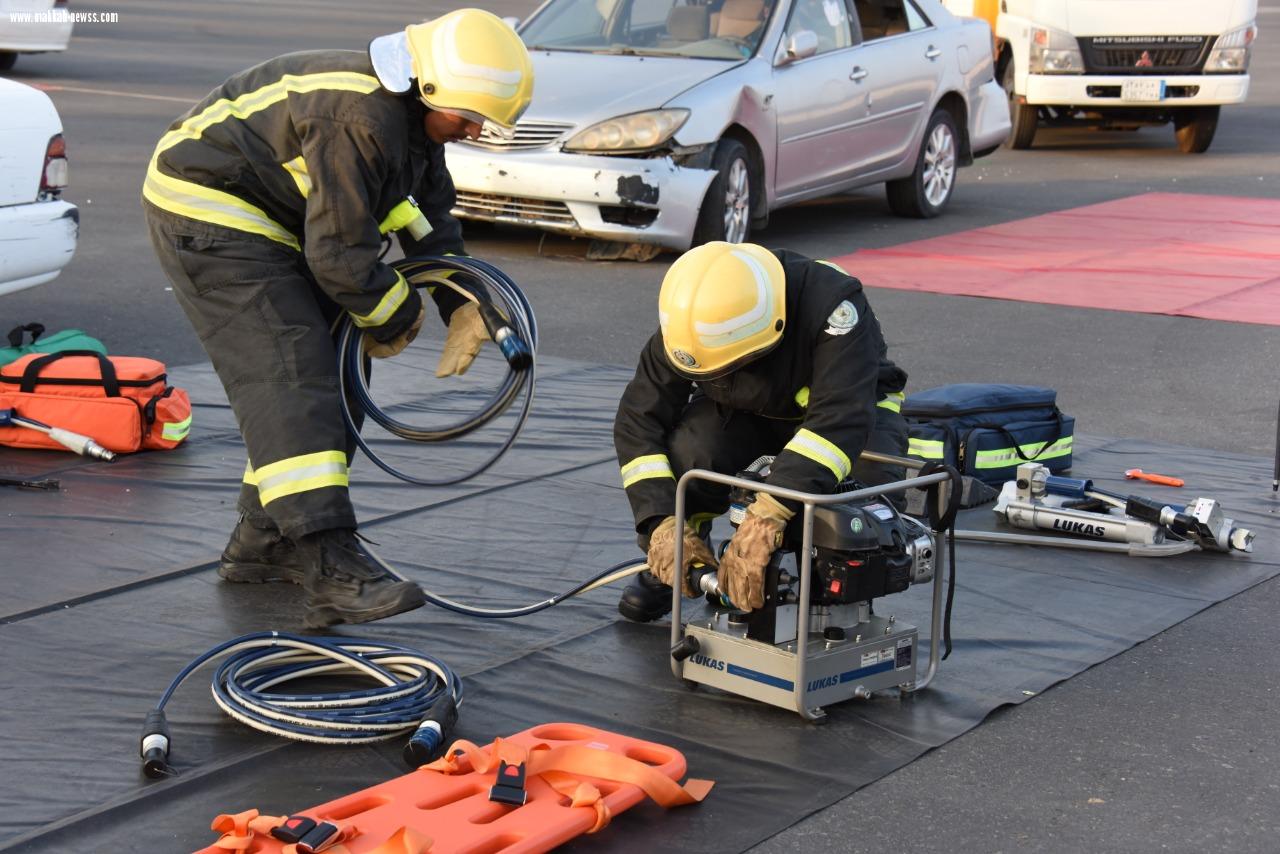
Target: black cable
944,525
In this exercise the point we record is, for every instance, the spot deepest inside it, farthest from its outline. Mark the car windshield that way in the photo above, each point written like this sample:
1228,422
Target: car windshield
717,29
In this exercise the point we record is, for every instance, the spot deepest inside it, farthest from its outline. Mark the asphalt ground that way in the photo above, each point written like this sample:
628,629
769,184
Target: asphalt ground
1169,747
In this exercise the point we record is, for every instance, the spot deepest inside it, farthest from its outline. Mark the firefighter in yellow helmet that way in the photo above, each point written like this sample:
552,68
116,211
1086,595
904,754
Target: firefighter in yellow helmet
758,352
270,203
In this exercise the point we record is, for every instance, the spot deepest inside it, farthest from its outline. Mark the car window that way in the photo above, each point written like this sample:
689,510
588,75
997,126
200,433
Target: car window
883,18
705,29
829,20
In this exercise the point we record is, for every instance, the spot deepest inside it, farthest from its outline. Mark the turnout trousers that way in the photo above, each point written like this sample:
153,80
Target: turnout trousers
267,328
707,437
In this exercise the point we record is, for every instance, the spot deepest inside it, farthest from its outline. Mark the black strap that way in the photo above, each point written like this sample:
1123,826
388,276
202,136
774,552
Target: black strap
31,376
943,524
15,334
1017,449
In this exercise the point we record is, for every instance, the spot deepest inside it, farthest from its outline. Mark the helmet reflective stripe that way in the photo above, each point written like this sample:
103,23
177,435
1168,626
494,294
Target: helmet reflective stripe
467,76
757,319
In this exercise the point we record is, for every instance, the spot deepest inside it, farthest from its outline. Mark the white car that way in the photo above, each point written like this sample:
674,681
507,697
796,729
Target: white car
38,230
32,26
676,122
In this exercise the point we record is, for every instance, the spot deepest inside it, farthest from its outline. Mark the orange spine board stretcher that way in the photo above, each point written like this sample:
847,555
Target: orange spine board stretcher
445,807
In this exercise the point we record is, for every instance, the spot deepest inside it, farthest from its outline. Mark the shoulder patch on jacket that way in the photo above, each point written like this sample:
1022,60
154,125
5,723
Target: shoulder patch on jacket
844,318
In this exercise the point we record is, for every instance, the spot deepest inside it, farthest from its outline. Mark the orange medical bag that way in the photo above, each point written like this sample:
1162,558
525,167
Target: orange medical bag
121,402
528,793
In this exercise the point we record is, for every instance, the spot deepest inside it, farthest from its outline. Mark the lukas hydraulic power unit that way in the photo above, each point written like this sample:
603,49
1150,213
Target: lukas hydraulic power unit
817,640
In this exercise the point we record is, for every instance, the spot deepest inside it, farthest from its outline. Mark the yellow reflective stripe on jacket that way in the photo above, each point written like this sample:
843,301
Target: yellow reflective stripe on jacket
392,300
300,474
802,398
406,215
1001,457
259,99
297,169
249,477
201,203
925,449
176,431
646,467
892,401
809,444
834,266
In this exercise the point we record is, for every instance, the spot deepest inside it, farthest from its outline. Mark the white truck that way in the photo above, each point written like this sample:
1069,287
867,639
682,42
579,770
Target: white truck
1119,63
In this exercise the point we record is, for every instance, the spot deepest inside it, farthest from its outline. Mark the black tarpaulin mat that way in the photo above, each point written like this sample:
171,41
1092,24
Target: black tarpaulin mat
135,567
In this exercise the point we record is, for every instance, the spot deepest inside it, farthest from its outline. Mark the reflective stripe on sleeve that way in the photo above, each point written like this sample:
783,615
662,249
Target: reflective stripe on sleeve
646,467
892,401
387,306
802,398
833,266
1001,457
299,474
809,444
925,449
297,169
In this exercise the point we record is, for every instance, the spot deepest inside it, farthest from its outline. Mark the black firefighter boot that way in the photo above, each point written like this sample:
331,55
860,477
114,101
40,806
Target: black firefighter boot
259,555
645,599
345,585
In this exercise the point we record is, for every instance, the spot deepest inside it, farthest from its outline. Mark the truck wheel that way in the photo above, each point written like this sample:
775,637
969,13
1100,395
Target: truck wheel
925,192
726,209
1194,129
7,60
1023,117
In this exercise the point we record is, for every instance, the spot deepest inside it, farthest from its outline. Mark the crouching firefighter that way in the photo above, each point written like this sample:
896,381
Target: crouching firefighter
268,204
758,352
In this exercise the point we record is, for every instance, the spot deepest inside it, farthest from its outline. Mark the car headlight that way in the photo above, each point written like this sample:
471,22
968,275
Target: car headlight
1054,52
1230,54
635,132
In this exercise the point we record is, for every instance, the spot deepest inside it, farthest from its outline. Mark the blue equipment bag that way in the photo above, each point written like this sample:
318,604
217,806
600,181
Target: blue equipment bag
986,429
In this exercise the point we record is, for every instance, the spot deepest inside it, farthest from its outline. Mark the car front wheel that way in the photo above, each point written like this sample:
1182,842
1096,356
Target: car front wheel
726,208
925,192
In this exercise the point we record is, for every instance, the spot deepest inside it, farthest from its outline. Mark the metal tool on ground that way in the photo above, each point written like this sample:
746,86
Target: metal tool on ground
817,640
45,483
1132,525
69,440
1162,479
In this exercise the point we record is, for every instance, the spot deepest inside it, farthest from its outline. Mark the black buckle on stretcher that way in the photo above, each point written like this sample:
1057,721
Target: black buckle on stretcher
308,834
509,787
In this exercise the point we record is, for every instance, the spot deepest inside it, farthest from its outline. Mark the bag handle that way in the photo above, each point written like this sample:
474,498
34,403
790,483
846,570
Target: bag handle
15,334
1017,449
31,376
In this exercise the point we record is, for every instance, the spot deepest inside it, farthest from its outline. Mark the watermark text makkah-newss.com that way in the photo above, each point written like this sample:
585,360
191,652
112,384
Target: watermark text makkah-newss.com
64,16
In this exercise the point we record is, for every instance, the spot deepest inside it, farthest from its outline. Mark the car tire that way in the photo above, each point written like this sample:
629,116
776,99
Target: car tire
925,192
1194,128
7,60
1023,118
726,208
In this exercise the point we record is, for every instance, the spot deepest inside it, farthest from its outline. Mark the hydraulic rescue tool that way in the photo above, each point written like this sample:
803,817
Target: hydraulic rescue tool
1105,521
71,441
817,639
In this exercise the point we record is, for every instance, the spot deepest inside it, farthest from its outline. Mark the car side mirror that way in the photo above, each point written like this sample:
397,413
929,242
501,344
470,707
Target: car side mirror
512,21
802,45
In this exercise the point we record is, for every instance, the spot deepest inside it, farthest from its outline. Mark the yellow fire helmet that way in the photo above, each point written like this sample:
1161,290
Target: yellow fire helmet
468,62
721,305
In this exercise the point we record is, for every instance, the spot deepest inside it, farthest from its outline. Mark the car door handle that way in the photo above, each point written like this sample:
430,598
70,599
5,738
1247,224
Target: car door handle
932,53
858,73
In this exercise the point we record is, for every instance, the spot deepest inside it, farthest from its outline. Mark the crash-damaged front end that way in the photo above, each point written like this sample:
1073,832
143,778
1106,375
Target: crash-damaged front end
647,197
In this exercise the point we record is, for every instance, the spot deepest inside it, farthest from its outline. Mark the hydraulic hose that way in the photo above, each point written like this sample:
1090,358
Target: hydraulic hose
414,691
511,323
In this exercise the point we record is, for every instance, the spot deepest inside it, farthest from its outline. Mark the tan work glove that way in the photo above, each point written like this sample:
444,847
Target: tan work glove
758,537
466,336
381,350
662,554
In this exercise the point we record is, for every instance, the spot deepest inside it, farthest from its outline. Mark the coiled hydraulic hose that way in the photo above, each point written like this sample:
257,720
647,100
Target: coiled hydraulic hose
415,691
511,323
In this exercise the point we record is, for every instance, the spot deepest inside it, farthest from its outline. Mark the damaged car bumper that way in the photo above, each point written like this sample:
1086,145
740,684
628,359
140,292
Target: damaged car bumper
626,199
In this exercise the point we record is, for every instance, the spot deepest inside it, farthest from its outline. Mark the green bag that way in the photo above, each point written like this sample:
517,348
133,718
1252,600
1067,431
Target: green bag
67,339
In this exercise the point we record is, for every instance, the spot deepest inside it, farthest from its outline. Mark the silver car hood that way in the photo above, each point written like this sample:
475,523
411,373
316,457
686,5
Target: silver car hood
585,88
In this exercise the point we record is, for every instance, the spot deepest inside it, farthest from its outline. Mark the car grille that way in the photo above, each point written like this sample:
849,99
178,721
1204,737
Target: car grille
1144,54
540,212
529,134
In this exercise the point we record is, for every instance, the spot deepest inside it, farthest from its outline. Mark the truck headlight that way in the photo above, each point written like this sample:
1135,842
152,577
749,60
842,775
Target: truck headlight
631,133
1054,52
1230,54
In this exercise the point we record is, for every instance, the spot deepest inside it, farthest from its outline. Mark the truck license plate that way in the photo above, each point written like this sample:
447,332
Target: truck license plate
1142,89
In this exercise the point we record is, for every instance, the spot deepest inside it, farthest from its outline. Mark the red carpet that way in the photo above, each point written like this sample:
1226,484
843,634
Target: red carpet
1215,257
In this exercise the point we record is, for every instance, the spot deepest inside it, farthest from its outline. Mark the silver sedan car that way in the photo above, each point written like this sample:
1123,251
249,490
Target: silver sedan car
676,122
